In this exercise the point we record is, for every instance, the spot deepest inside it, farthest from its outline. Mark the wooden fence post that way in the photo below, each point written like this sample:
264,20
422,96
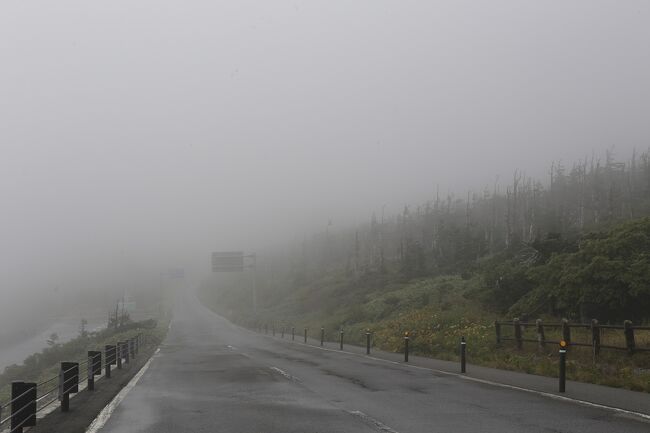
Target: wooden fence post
595,337
517,326
566,331
541,339
629,336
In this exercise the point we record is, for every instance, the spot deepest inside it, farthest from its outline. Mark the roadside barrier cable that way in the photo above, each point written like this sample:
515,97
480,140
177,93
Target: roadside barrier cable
47,381
82,367
38,399
47,404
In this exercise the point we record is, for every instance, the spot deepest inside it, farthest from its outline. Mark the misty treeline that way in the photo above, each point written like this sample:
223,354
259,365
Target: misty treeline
515,239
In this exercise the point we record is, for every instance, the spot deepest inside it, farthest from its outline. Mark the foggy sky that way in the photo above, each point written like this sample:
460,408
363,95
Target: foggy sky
135,136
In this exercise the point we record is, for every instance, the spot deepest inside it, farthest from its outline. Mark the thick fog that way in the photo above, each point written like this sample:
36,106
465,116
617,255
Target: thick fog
136,136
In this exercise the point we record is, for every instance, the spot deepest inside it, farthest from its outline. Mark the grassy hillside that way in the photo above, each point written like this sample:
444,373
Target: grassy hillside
608,268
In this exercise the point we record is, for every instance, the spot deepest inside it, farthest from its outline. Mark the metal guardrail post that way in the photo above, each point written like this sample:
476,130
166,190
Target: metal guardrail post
629,336
322,336
367,341
406,346
23,405
497,329
562,376
517,329
463,349
68,383
541,338
566,331
111,359
305,335
341,338
125,349
92,368
283,332
595,337
293,333
118,355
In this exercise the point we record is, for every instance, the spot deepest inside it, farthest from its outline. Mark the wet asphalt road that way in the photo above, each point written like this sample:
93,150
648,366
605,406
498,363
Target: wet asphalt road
211,376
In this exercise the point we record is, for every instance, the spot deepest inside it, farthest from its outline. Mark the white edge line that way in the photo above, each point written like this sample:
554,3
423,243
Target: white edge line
106,413
644,416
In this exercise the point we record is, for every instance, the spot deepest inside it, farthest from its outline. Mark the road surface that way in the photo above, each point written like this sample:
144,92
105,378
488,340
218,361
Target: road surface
211,376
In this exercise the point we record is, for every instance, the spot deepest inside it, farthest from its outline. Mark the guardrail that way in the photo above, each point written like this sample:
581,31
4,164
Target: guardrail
519,336
595,331
28,399
368,340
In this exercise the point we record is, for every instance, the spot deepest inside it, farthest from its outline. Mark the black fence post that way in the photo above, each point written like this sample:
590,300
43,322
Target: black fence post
305,335
110,359
406,346
629,336
293,333
118,355
367,341
23,405
566,331
68,383
595,337
91,375
92,368
541,337
563,347
125,349
341,338
322,336
517,329
463,347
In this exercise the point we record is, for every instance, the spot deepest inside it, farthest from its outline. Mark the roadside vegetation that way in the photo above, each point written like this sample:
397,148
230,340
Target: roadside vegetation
45,364
577,248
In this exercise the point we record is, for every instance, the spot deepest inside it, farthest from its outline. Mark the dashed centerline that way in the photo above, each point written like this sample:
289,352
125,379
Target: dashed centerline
370,420
285,374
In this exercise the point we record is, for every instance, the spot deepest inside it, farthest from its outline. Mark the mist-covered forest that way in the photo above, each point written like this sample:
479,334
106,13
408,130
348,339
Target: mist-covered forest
573,245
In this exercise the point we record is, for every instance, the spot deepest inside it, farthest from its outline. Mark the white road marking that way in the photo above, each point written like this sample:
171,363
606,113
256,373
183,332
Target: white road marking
643,416
379,425
285,374
106,413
